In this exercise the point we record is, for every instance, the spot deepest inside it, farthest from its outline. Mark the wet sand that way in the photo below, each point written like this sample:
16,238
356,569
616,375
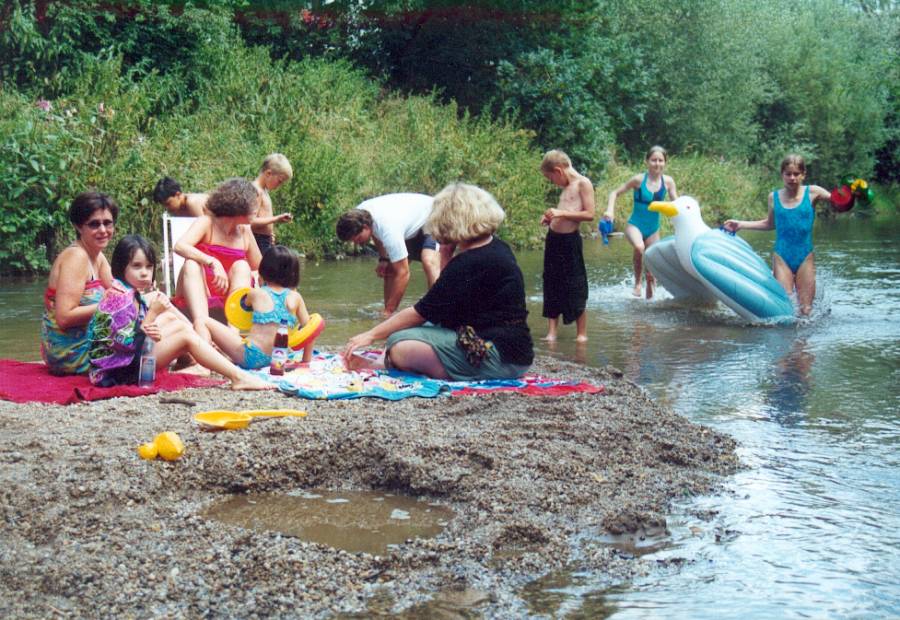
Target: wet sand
91,530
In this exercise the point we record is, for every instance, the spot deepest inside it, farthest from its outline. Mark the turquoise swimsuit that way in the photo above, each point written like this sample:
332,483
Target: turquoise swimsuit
642,218
254,357
793,231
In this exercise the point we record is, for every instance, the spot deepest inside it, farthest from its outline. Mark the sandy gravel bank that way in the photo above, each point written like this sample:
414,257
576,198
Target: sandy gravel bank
90,530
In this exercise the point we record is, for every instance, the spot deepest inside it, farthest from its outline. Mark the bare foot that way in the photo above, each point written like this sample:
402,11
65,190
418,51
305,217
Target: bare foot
636,291
361,361
249,382
549,338
581,338
194,369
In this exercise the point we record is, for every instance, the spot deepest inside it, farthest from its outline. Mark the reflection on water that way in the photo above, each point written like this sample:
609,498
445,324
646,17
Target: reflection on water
355,521
812,527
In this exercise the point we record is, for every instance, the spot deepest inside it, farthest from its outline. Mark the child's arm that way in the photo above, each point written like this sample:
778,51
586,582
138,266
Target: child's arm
631,184
767,223
586,214
271,219
817,192
303,317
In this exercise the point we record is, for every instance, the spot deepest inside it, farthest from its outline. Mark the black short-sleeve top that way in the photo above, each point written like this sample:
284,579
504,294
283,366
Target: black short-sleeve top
483,287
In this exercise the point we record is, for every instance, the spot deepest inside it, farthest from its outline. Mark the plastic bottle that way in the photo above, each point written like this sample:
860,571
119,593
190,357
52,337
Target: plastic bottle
147,371
279,350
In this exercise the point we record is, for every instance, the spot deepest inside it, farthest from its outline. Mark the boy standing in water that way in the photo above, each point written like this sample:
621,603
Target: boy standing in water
565,278
275,170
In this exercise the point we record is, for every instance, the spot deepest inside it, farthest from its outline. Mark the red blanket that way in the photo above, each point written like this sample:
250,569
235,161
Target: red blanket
24,382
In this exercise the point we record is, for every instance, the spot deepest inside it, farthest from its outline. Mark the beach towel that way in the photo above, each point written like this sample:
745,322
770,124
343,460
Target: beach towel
326,378
23,382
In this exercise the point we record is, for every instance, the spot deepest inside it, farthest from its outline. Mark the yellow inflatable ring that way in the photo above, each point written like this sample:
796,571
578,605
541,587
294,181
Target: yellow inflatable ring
237,312
298,338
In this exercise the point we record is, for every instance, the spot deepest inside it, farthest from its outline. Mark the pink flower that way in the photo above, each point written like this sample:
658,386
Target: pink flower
44,105
101,107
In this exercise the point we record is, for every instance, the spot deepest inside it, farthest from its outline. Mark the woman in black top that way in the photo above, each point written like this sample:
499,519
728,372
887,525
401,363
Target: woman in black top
475,312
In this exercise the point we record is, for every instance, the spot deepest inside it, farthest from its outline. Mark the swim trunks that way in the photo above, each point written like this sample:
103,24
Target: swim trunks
642,217
793,230
565,277
264,241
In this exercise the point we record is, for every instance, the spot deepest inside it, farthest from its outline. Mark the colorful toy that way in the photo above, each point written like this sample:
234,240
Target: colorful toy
231,420
166,445
850,190
240,314
702,265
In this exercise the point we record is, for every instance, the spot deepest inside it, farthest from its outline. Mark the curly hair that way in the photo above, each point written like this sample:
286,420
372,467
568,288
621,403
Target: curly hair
233,198
463,212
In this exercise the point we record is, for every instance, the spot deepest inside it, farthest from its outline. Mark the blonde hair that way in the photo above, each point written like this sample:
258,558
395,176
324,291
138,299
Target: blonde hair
463,212
277,164
555,159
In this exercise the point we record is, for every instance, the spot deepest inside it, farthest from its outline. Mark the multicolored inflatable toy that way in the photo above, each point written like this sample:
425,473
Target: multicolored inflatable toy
701,265
240,314
850,190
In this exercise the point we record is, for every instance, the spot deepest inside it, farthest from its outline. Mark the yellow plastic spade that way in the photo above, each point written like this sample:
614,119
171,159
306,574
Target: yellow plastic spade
230,420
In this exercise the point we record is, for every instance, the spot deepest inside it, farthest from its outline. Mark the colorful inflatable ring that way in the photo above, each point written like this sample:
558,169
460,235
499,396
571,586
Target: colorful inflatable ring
842,199
298,338
237,312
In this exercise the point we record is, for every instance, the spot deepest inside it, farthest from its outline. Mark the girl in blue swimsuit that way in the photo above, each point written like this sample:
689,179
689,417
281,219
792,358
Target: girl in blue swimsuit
642,229
791,214
273,302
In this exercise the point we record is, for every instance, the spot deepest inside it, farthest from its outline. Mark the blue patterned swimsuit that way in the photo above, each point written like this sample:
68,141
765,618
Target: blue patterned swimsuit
254,357
793,230
642,217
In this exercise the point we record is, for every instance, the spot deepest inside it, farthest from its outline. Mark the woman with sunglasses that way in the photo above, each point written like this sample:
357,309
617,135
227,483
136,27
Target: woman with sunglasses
77,280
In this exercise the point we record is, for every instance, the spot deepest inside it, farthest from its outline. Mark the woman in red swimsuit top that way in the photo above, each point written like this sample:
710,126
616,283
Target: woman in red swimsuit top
219,251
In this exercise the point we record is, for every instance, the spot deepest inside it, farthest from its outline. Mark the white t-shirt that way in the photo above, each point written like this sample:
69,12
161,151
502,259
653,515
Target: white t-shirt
396,218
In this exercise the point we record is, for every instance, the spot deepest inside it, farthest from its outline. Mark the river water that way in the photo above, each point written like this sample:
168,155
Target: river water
812,527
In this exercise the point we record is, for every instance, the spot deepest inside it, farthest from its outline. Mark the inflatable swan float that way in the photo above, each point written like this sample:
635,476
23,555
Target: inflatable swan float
702,265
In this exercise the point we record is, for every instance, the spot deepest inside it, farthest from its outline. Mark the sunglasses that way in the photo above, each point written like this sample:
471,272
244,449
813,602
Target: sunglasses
95,224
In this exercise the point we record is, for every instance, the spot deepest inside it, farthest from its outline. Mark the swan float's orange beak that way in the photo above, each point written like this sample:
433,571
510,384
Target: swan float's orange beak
666,208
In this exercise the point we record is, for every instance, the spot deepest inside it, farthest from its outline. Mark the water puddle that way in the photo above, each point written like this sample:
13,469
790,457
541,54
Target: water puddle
355,521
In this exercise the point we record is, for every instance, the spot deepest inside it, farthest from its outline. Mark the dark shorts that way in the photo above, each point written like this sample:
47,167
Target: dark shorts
422,241
263,241
565,278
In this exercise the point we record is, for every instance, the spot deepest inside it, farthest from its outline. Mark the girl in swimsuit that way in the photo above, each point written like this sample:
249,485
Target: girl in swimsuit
77,279
128,315
275,301
642,229
219,250
791,214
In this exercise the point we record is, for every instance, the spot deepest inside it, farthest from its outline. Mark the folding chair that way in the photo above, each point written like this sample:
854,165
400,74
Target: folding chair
173,229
